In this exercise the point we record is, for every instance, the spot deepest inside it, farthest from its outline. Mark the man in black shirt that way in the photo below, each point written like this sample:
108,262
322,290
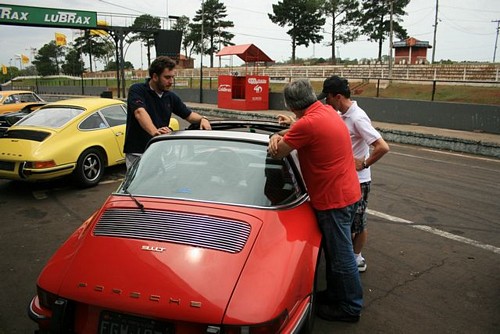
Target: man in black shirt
150,106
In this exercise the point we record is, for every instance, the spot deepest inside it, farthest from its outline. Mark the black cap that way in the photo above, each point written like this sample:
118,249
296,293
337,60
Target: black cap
335,85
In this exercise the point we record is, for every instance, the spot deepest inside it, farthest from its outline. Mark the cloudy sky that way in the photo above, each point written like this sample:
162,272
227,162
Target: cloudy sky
466,30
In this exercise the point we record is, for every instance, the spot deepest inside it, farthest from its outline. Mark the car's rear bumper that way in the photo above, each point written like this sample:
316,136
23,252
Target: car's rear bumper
35,312
16,170
38,315
300,317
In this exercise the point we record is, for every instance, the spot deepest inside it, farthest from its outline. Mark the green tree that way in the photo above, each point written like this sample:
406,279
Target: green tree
305,19
109,50
193,39
29,70
146,26
341,26
96,46
73,64
12,72
211,15
47,59
111,66
374,20
182,25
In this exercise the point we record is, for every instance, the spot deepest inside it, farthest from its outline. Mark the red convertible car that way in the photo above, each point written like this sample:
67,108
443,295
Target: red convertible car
206,234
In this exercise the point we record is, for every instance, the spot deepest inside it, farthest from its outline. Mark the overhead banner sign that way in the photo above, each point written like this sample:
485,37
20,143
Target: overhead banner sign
47,17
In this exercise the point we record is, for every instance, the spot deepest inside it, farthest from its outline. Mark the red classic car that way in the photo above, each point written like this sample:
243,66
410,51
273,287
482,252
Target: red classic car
206,234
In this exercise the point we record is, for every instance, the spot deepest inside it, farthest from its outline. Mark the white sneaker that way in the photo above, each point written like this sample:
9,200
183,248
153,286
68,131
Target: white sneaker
361,264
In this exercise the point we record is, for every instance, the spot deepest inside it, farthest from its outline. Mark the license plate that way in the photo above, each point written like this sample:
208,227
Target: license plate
6,165
112,323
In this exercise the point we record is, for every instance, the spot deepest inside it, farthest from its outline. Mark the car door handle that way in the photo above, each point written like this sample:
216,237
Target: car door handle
118,134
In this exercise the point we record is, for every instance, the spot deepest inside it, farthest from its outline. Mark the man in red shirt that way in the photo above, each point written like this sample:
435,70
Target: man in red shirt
326,160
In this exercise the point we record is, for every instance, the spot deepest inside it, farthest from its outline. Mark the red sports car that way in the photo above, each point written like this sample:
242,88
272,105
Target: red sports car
206,234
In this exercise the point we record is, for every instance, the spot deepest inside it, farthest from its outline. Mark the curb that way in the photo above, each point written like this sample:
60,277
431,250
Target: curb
222,113
442,143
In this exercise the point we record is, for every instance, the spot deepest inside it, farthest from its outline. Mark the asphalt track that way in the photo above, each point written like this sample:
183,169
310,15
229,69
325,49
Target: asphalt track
433,250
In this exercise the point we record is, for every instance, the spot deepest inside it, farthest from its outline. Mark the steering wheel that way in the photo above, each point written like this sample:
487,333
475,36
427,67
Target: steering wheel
226,165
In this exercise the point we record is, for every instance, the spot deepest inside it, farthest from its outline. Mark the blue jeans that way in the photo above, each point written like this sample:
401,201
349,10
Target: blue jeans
342,275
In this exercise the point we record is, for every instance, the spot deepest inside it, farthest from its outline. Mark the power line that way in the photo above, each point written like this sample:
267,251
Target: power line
120,6
246,10
475,9
264,37
457,27
128,8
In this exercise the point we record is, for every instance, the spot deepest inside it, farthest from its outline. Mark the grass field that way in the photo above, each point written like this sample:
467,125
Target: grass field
448,93
443,93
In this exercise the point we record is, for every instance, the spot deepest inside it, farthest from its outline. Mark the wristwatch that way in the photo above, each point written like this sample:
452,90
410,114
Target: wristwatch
365,166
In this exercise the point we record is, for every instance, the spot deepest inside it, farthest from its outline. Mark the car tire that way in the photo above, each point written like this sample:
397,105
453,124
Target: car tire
89,168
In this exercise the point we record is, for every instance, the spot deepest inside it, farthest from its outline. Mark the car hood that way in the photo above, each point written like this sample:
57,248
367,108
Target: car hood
167,261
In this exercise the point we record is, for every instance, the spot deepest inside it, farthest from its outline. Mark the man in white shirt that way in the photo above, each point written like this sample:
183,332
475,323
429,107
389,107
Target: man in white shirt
364,136
337,93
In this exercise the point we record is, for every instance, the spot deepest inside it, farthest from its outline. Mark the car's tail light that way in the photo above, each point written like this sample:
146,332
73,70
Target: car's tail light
40,164
270,327
47,299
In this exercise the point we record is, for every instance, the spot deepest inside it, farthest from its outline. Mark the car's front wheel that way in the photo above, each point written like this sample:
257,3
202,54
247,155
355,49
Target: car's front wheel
89,168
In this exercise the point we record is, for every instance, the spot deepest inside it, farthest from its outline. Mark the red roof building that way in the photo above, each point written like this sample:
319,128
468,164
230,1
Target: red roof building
185,62
411,51
249,53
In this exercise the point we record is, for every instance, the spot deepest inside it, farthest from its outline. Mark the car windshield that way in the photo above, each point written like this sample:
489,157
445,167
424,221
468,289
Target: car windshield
54,117
224,171
20,98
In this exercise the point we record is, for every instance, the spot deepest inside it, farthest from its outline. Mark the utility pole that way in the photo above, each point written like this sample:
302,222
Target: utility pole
390,40
220,44
18,56
32,52
10,74
201,47
167,26
435,31
496,40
